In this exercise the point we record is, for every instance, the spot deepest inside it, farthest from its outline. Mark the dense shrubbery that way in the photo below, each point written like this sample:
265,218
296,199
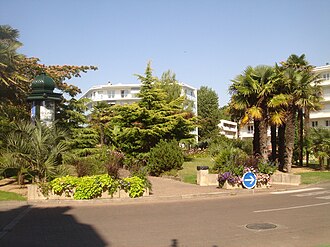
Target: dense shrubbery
233,158
165,156
90,187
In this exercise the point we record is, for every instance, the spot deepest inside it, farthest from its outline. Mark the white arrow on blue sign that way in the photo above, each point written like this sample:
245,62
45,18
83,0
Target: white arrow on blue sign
249,180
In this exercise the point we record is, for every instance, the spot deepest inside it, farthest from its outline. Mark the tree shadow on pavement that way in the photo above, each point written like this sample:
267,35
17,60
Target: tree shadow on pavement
48,226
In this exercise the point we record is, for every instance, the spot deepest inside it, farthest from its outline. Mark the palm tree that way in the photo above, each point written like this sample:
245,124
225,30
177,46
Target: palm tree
298,89
9,58
34,150
320,138
251,92
307,95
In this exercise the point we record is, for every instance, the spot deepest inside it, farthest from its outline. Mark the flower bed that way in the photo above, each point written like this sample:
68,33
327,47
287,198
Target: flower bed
230,180
90,187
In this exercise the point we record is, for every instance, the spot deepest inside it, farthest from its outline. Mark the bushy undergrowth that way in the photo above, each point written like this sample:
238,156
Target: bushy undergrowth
89,187
165,156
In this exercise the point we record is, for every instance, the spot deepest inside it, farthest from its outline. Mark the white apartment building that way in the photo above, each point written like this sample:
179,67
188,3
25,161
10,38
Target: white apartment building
122,94
322,118
228,128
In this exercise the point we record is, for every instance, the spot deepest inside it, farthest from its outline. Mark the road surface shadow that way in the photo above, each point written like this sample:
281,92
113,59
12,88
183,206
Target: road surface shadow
29,226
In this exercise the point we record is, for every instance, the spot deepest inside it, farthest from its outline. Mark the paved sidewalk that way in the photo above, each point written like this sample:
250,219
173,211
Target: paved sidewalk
166,187
163,189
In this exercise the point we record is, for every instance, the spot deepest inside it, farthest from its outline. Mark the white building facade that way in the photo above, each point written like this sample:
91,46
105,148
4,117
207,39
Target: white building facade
121,94
228,128
322,118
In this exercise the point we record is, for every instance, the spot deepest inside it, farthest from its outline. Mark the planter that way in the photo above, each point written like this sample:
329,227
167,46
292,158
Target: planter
35,193
229,186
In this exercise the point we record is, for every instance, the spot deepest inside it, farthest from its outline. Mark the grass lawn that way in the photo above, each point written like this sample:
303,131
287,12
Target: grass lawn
10,196
189,172
314,177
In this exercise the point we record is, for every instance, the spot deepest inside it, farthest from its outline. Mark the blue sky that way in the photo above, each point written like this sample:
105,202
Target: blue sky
205,42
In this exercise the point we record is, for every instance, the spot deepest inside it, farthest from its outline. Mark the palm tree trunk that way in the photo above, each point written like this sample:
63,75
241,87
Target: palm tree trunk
101,134
256,138
321,161
273,142
263,140
20,177
281,146
301,136
289,139
307,132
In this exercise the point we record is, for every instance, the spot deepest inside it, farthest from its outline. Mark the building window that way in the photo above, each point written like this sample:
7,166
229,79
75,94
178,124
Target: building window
123,93
326,76
314,124
111,94
327,123
100,94
250,129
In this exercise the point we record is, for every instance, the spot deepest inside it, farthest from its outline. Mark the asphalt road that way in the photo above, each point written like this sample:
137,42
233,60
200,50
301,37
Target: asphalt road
298,218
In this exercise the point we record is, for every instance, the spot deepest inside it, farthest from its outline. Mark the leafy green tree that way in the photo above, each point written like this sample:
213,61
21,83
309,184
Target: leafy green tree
100,117
71,113
208,113
224,113
170,85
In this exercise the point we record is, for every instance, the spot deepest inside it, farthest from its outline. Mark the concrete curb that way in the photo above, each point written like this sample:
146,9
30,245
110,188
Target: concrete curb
150,198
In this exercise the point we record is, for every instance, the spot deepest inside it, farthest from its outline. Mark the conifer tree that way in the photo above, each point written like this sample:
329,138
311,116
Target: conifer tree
140,126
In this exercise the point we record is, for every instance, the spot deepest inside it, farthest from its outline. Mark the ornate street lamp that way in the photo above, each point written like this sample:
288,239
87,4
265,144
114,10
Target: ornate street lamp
43,99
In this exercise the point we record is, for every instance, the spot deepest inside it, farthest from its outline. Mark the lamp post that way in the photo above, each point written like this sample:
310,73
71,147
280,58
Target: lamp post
43,99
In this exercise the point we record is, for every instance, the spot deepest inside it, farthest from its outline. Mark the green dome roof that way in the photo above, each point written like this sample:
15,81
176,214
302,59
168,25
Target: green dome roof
43,83
42,89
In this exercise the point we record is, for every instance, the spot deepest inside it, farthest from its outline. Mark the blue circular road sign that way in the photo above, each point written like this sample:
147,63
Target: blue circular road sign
249,180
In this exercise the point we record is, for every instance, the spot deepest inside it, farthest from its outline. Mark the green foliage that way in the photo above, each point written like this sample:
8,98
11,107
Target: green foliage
84,141
136,186
90,187
208,112
320,139
71,113
86,166
170,85
100,117
266,167
63,184
138,127
165,156
34,149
